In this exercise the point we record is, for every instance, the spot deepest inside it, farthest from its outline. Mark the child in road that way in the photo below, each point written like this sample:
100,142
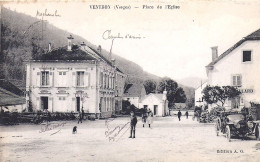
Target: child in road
133,124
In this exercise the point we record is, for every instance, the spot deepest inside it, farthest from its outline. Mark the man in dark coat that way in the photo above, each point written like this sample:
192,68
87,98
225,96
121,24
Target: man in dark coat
187,114
179,115
133,124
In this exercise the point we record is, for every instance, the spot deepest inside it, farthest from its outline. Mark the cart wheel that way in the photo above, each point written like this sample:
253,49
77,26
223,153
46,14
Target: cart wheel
228,133
217,128
257,132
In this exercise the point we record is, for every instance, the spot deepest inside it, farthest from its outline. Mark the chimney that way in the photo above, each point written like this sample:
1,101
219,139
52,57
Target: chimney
214,53
49,48
99,49
164,95
113,62
82,45
70,42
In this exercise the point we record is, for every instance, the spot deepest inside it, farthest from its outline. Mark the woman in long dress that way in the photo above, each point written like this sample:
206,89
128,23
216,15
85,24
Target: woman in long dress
149,119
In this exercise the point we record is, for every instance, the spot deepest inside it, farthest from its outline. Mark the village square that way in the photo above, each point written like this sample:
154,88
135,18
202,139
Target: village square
64,98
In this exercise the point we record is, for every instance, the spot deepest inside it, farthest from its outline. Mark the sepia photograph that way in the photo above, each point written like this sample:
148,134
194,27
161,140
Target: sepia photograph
130,81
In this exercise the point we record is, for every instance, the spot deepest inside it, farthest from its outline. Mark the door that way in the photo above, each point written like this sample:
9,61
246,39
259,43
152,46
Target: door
44,103
155,109
78,103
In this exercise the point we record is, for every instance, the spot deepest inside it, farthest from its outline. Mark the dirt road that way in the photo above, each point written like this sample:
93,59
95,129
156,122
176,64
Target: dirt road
107,140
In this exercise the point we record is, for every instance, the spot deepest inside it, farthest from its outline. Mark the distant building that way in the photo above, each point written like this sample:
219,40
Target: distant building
239,66
199,101
134,93
157,103
179,105
73,77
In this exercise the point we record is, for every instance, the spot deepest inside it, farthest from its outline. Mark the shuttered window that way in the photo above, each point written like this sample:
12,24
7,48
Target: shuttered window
237,80
45,78
80,78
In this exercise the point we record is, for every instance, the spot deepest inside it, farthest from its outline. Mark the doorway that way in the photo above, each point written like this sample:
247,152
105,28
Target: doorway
78,103
155,109
44,103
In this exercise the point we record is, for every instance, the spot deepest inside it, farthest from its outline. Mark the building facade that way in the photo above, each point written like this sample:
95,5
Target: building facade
199,101
239,66
157,103
134,93
73,77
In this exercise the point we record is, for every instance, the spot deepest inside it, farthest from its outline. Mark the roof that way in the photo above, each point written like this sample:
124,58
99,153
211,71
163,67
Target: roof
253,36
7,85
133,90
76,53
179,105
63,54
159,96
201,85
8,98
18,83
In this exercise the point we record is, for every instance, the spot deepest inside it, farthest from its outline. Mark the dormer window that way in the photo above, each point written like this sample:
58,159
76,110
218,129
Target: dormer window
247,56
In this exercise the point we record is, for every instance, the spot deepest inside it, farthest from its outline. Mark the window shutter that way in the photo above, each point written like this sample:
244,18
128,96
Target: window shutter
234,80
86,79
38,79
51,79
239,80
74,79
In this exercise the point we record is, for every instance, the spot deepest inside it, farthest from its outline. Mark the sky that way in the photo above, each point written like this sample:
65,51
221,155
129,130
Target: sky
174,42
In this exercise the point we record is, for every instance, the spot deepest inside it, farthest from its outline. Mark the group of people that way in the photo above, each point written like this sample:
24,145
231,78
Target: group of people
147,118
180,114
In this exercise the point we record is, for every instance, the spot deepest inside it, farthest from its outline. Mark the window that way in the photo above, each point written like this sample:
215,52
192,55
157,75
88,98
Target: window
62,98
101,79
44,78
105,79
236,80
80,78
62,73
246,56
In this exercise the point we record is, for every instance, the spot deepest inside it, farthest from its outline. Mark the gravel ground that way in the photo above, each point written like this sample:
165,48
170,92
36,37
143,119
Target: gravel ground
107,140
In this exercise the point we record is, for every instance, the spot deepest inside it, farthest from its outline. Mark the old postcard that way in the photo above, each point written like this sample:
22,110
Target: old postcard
143,80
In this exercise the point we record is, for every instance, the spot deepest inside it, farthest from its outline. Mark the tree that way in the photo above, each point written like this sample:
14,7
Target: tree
190,103
150,86
217,94
175,94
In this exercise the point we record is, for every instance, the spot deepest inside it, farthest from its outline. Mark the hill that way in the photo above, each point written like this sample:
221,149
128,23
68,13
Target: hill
24,37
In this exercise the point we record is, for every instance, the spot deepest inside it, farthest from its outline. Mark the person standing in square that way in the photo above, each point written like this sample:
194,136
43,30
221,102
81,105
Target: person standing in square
179,115
132,124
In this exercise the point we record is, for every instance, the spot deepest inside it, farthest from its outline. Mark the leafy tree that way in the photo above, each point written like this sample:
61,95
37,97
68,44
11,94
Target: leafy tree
190,103
175,94
150,86
217,94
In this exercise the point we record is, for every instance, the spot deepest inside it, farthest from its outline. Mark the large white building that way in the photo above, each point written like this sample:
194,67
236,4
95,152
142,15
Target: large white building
238,66
71,77
199,101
